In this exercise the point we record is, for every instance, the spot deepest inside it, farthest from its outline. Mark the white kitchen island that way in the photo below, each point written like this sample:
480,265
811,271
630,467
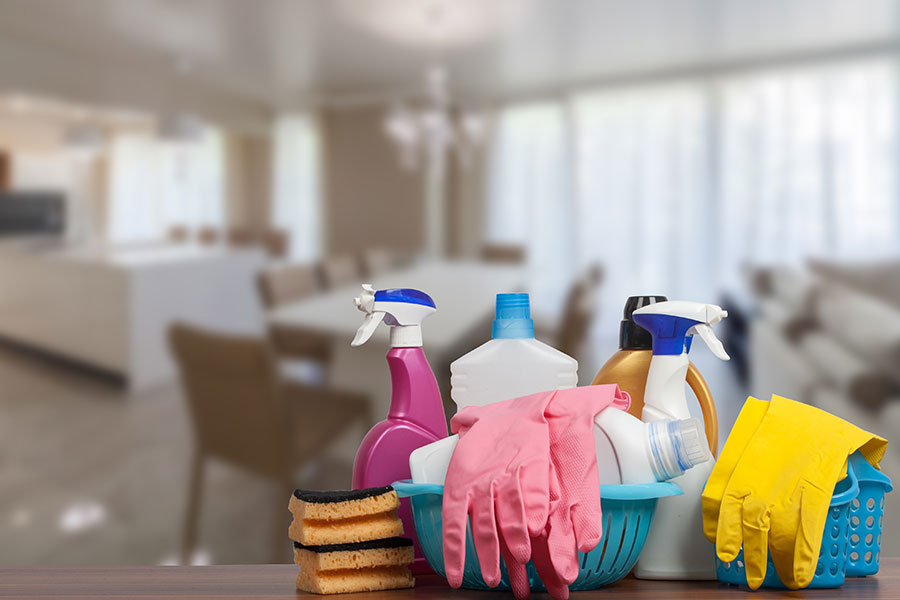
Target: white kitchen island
109,309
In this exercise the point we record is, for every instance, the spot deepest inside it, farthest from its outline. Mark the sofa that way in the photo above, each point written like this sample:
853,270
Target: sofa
829,334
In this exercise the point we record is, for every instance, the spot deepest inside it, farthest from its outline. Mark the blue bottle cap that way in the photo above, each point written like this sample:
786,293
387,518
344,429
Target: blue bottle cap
513,317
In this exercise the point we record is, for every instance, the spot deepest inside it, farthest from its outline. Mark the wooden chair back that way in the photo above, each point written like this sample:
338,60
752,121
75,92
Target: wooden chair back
284,284
232,391
579,311
340,270
506,254
276,243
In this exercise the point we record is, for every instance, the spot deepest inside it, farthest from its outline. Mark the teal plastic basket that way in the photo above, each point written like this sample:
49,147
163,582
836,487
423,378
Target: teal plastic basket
832,565
866,517
627,515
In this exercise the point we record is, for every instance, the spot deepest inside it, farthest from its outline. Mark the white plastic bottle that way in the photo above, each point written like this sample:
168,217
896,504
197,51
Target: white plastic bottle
676,547
513,363
646,452
628,450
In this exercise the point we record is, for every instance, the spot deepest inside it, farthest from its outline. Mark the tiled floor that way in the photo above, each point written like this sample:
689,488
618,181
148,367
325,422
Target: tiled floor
92,475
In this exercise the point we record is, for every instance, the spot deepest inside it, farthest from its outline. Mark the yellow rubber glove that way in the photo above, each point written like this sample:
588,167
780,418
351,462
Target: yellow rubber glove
777,497
744,427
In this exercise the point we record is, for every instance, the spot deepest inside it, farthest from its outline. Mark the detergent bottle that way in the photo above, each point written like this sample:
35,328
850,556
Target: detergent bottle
676,547
512,363
416,415
629,366
628,450
646,452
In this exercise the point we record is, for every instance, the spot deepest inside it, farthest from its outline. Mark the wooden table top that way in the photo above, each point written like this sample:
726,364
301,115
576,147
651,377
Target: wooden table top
277,581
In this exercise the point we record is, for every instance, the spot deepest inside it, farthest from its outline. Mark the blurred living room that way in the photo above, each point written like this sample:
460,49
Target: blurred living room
193,191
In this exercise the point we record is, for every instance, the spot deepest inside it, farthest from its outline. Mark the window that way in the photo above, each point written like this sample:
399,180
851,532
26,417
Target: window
155,185
297,205
674,187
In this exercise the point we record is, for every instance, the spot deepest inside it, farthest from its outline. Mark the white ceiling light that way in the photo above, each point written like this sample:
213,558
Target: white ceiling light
434,125
442,23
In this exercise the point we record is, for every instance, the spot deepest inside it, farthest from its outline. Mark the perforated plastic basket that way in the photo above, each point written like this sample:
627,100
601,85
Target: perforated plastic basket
866,517
627,514
832,565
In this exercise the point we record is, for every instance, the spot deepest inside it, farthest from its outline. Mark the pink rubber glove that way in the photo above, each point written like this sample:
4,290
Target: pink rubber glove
525,470
498,476
575,519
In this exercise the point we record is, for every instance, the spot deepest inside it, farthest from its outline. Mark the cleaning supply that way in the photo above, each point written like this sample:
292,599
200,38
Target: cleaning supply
677,548
416,415
525,471
776,497
344,516
833,564
347,541
634,452
627,512
512,363
629,366
866,517
648,452
361,567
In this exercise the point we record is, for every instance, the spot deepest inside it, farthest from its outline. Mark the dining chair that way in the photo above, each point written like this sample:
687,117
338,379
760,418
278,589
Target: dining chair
177,234
208,236
375,261
579,311
506,254
276,242
244,415
239,236
340,270
284,284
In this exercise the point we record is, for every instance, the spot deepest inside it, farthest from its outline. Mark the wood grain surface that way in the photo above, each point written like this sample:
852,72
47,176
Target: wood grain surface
277,582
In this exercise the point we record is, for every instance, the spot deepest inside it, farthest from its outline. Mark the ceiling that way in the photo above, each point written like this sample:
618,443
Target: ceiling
287,52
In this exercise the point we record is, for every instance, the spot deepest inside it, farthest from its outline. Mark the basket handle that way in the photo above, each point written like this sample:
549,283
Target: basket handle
851,492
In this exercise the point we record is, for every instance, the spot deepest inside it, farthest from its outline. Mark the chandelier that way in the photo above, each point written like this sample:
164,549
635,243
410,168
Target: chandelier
427,131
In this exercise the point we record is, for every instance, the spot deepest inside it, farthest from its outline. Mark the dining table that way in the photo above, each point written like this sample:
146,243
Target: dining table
464,293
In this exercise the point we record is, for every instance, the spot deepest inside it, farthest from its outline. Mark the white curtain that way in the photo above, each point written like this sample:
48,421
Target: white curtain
643,191
809,165
154,185
674,187
530,199
297,201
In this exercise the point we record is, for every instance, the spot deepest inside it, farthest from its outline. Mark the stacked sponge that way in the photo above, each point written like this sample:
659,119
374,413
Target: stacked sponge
347,541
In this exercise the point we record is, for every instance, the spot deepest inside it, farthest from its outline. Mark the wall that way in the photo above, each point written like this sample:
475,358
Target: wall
370,200
249,172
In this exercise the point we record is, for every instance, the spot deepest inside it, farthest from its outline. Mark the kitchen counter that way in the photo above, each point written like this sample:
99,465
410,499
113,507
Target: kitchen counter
277,581
109,309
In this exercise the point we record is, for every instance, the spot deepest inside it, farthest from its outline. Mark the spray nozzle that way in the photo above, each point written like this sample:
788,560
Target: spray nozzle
403,309
671,323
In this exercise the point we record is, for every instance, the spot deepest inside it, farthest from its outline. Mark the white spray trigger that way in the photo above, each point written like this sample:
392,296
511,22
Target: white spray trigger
707,335
368,327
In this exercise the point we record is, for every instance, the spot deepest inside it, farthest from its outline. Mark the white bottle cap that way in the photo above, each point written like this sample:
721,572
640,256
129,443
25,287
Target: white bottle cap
676,446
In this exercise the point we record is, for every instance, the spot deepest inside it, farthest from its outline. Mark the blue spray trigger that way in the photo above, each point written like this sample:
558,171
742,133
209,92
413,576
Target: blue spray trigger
669,332
407,295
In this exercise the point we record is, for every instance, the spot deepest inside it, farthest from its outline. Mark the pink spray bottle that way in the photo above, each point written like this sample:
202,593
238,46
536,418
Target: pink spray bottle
416,416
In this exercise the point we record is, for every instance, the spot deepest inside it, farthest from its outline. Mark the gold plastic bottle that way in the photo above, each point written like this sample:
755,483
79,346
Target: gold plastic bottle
629,366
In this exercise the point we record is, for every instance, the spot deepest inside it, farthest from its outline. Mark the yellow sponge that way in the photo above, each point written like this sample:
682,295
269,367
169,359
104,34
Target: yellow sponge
342,504
354,580
391,552
347,531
